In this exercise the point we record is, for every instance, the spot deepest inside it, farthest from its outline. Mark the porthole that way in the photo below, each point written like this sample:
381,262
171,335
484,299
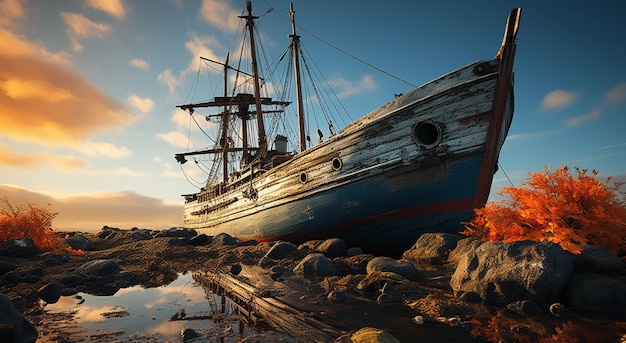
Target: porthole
337,163
303,177
427,134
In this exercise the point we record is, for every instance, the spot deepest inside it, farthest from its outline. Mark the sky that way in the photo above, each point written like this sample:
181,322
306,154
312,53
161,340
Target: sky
88,89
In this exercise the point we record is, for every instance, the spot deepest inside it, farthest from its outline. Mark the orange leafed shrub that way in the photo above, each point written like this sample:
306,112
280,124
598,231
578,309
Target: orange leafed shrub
556,207
34,221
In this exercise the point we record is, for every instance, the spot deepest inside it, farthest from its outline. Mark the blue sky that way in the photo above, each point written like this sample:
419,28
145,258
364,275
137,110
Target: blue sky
88,88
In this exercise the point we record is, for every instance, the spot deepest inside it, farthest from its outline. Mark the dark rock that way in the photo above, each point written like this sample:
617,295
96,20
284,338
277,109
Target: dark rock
188,334
51,261
463,248
386,298
35,271
61,258
470,297
597,259
175,232
280,250
276,272
23,247
72,280
315,265
390,289
337,296
14,328
31,278
178,241
13,277
141,235
78,243
50,293
98,267
431,249
388,264
200,240
502,273
333,247
222,240
6,267
524,307
354,251
598,295
310,245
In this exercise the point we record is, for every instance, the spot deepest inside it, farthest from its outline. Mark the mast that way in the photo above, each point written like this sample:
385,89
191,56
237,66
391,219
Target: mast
225,120
296,60
255,72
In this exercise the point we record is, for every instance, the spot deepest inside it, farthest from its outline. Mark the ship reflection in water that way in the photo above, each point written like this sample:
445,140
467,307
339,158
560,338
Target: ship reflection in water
158,314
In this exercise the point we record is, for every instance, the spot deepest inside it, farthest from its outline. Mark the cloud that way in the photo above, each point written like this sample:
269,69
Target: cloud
346,88
616,95
139,64
143,105
91,211
30,160
612,146
558,99
11,11
47,101
94,149
114,8
219,14
127,172
594,114
174,138
169,79
79,27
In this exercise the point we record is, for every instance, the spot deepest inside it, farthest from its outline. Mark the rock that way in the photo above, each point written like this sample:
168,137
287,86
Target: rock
463,247
276,272
178,241
354,251
6,267
337,296
431,249
141,235
222,240
315,265
280,250
470,297
23,247
333,247
310,245
61,258
175,233
372,335
597,259
419,320
502,273
14,328
13,277
388,264
235,269
72,280
524,307
200,240
187,334
598,295
50,293
385,298
78,243
99,267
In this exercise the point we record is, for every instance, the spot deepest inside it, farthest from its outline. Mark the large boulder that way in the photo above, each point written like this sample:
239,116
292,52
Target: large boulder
431,249
333,247
502,273
388,264
315,265
23,247
598,295
14,328
99,268
597,259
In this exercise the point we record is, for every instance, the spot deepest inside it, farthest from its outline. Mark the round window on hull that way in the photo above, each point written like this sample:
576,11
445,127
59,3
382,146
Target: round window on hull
337,163
427,134
304,177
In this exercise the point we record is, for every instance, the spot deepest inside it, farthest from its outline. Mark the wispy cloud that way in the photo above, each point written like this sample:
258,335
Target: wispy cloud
115,8
143,105
139,64
33,160
219,14
616,95
612,146
94,149
558,99
174,138
594,114
11,11
346,88
79,27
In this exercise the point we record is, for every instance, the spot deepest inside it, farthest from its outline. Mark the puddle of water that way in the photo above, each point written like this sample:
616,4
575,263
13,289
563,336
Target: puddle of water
137,313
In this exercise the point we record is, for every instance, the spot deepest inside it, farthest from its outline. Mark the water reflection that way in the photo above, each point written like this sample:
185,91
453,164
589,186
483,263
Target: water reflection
145,314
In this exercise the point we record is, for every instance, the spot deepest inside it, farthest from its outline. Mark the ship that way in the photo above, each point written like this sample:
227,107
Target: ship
423,162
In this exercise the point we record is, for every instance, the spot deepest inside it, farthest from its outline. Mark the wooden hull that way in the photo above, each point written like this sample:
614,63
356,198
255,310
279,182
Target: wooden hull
420,163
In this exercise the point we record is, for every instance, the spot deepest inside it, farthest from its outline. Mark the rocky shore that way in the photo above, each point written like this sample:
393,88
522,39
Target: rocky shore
450,288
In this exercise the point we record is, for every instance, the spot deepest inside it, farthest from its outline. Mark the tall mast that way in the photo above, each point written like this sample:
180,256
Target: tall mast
257,93
225,119
296,60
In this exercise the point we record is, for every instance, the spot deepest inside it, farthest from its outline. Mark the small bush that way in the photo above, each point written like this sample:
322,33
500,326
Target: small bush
556,207
34,221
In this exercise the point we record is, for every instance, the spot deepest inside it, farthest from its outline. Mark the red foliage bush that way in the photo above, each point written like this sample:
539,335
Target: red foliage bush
556,207
34,221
